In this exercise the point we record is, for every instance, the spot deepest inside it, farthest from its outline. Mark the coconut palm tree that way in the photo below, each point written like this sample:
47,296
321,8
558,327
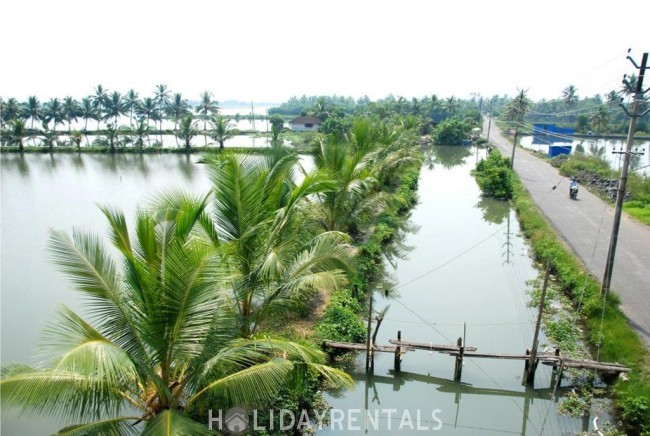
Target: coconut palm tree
600,118
275,262
87,111
53,111
451,106
147,109
221,130
17,133
161,97
75,138
141,131
350,163
9,110
32,109
70,109
131,103
207,107
114,107
177,108
187,131
99,101
570,98
159,348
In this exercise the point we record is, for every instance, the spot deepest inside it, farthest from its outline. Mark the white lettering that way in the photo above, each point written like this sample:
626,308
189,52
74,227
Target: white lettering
353,419
283,413
374,420
212,419
320,418
336,416
438,421
406,420
420,427
389,419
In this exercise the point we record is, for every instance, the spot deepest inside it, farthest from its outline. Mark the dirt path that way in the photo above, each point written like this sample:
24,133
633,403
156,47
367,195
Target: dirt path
586,226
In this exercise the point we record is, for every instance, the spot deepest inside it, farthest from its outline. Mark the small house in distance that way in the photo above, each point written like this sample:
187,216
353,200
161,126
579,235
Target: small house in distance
305,124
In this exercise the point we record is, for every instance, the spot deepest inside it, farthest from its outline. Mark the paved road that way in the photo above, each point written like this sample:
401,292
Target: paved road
586,226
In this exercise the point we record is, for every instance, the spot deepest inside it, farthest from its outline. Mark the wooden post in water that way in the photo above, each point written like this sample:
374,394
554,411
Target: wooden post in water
369,353
532,364
397,363
458,368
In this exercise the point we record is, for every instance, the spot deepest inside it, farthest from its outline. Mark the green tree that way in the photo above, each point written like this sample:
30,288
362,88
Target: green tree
9,110
114,107
75,138
187,131
53,112
451,131
147,109
600,118
70,109
221,130
570,98
99,101
141,131
159,348
207,107
161,97
277,124
177,109
87,111
131,103
494,176
17,133
276,262
33,110
451,106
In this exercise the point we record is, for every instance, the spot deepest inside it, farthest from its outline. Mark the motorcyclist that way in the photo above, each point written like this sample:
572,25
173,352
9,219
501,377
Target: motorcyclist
573,188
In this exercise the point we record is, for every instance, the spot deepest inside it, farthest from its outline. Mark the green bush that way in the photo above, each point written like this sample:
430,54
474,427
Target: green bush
494,176
451,131
341,322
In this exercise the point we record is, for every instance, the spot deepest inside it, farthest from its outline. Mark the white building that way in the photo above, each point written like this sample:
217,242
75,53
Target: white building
305,124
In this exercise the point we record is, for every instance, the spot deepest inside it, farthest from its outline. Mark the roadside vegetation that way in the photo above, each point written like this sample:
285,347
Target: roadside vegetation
606,329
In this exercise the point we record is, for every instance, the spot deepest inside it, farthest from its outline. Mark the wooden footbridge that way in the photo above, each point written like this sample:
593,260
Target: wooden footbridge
555,359
460,351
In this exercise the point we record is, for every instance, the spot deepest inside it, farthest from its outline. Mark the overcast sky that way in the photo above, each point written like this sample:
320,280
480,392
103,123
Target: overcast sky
272,50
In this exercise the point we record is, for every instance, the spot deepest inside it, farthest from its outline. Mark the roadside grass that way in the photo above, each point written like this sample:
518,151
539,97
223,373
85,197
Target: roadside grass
610,335
639,211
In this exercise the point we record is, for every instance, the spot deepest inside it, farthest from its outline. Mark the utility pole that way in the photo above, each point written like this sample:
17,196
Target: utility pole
518,112
620,193
490,118
532,362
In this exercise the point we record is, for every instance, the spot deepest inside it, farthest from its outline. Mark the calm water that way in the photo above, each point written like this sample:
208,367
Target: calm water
639,161
467,265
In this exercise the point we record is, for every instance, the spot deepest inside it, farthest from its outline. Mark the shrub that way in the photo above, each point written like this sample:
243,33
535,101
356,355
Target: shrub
494,176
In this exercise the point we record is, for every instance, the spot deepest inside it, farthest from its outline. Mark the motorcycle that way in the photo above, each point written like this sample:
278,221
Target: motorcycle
573,192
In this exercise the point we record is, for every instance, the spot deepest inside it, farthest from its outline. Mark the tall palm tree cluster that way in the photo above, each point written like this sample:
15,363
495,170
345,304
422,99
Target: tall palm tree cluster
22,119
180,305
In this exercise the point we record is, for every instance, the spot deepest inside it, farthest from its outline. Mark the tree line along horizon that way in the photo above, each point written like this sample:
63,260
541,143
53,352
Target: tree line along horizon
597,113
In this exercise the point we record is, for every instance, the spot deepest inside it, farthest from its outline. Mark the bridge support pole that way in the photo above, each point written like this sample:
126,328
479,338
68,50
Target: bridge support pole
458,367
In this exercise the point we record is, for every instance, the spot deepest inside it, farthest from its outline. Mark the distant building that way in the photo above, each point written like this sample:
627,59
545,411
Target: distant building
305,124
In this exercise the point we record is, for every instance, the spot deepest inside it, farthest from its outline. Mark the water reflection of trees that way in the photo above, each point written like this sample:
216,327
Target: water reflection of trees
494,211
448,156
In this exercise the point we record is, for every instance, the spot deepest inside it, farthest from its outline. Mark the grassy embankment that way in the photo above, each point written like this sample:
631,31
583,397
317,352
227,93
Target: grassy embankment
608,331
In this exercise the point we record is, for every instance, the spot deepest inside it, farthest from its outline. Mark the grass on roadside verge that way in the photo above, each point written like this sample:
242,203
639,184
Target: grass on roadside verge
618,342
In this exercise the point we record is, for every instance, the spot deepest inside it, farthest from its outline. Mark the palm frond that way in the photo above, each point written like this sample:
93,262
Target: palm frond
252,386
108,427
63,394
174,423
